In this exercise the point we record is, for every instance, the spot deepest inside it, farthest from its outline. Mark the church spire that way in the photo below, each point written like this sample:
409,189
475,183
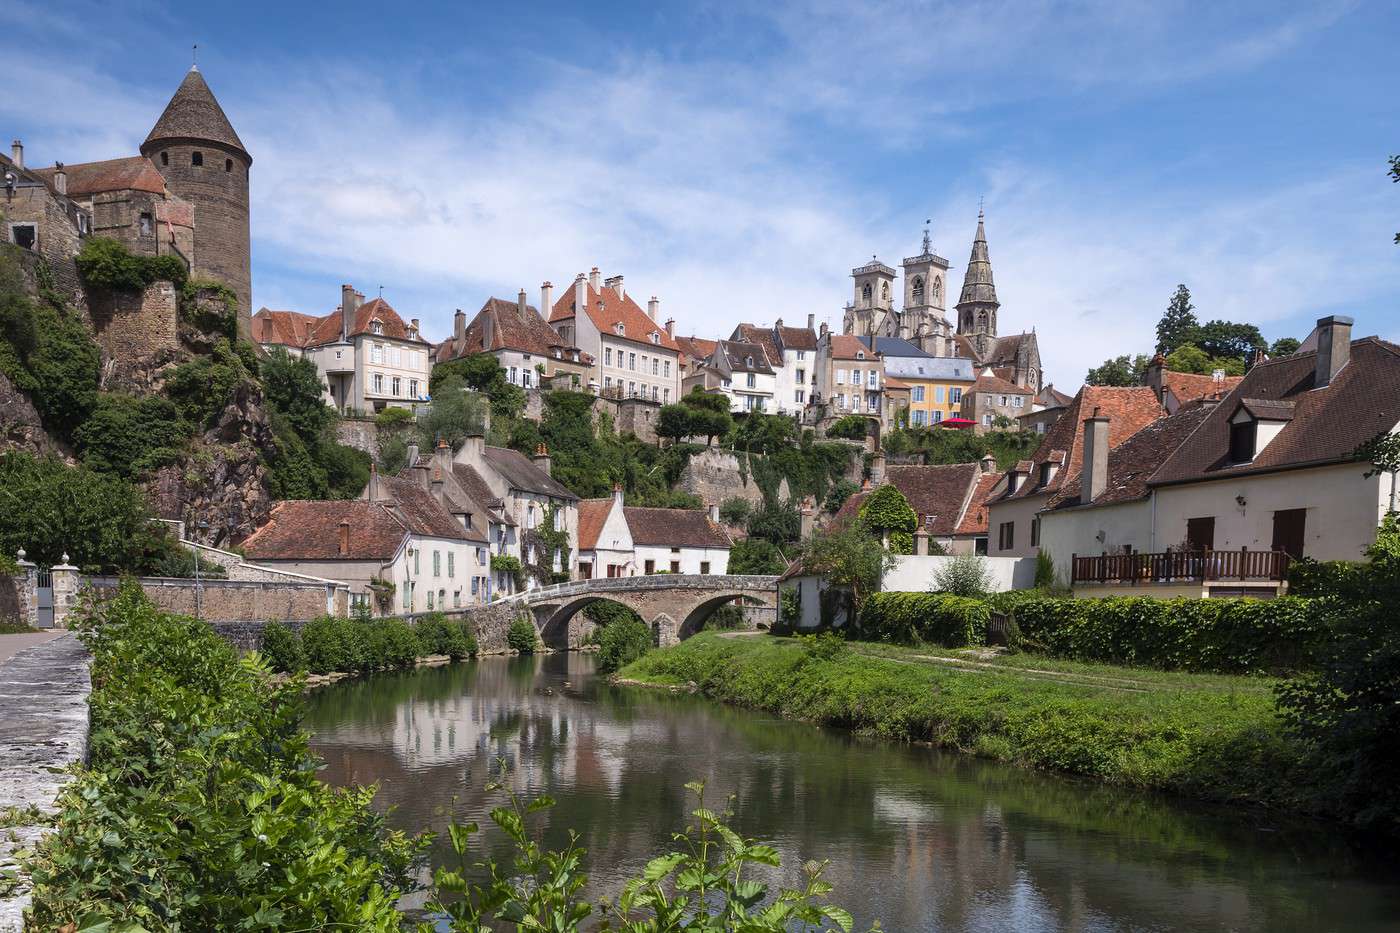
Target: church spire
977,305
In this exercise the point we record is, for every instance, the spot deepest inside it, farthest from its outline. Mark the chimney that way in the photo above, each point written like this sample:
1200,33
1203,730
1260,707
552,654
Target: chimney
653,307
877,467
413,326
580,295
595,279
1333,348
546,299
436,487
615,283
811,322
825,330
372,491
989,464
473,449
617,494
60,179
541,459
488,330
347,308
1093,472
671,327
344,539
442,462
1154,374
17,153
412,456
520,303
714,514
459,328
806,518
921,543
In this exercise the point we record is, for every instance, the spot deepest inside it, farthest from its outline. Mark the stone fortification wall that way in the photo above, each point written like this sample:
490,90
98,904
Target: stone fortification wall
132,326
222,601
361,435
715,475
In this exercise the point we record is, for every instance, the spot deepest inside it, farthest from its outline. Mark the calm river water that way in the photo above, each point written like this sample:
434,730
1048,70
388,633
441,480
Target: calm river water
919,839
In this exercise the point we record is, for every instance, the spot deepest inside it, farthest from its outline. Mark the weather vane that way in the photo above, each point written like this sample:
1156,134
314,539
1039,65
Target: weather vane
926,243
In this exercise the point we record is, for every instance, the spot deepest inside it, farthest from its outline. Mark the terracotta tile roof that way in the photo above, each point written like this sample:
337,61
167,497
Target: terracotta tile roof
135,173
673,528
1328,424
974,519
1133,462
763,337
614,309
992,383
520,473
1129,410
893,383
592,515
942,492
797,338
511,329
849,347
1052,397
288,328
1188,387
328,328
696,348
423,513
310,530
194,113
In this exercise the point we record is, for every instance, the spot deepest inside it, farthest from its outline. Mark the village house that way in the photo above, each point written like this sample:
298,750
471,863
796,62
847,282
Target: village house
935,384
739,371
530,352
626,541
849,376
1046,409
1177,389
792,353
950,501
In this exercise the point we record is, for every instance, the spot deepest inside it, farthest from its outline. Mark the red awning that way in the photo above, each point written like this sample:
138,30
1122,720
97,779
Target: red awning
956,423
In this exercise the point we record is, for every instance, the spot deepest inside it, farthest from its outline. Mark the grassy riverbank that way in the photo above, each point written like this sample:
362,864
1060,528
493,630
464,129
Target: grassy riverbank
1210,737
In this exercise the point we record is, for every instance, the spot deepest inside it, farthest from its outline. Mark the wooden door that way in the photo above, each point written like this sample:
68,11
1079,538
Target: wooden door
1289,525
1200,533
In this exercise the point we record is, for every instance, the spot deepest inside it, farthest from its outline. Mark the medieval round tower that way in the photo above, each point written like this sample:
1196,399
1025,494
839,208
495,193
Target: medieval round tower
203,161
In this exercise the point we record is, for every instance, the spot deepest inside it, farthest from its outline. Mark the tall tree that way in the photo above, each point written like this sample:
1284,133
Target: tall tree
1118,371
1227,339
1178,325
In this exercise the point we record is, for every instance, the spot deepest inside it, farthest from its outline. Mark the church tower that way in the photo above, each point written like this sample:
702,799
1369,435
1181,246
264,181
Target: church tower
195,148
924,316
872,312
977,306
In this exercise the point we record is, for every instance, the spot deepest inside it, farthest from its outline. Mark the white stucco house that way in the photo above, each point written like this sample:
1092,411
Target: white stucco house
792,353
617,540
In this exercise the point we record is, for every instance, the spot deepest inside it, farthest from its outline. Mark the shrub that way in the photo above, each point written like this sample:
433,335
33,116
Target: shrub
622,641
47,351
850,427
887,513
392,419
437,635
1044,569
777,522
840,491
938,618
963,575
735,510
107,264
129,437
755,555
331,644
1308,577
1232,636
204,386
281,648
522,637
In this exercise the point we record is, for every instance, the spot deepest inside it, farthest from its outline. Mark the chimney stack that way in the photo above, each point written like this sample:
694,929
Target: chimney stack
442,463
617,494
1093,472
542,459
17,153
459,327
989,464
546,299
520,303
413,325
372,491
671,328
921,543
824,330
412,456
714,514
877,467
811,322
60,179
653,307
595,279
344,539
807,518
580,295
347,308
615,283
473,448
1333,348
1154,375
436,487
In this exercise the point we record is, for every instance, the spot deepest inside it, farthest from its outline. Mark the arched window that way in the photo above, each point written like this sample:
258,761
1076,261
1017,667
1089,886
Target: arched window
865,293
197,158
918,292
376,327
937,288
228,165
884,291
165,158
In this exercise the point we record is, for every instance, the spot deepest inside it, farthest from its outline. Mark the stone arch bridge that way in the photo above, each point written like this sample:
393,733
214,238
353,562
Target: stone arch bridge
676,606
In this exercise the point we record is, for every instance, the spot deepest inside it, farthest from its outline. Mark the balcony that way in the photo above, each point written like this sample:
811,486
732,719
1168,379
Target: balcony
1181,567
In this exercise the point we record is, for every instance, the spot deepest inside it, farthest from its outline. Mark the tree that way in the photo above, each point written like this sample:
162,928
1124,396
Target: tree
294,387
1118,371
777,522
1284,346
840,491
888,514
735,510
756,555
1189,358
850,427
455,413
709,414
482,372
1178,324
1226,339
850,555
964,575
675,422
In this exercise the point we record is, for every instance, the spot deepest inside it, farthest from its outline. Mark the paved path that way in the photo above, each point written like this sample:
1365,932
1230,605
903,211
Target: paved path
43,728
10,645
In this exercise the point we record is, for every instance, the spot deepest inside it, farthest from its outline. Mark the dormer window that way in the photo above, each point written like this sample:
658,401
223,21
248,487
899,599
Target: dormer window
1254,425
1242,434
655,337
619,329
376,327
748,361
860,354
1047,473
413,333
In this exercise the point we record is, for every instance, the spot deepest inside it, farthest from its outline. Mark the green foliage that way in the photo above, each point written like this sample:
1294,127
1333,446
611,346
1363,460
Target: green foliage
848,556
935,618
851,427
293,386
776,522
756,556
963,575
1308,577
108,265
888,514
1231,636
281,648
506,563
674,422
332,644
522,637
292,471
456,413
1178,324
49,508
940,445
840,491
1228,340
437,635
346,469
735,510
211,308
705,886
176,560
1284,346
392,419
1044,569
483,373
1119,371
1189,358
709,414
131,437
199,807
204,386
622,641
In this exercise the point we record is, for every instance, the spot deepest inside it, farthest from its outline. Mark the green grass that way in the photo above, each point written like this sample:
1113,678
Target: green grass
1191,735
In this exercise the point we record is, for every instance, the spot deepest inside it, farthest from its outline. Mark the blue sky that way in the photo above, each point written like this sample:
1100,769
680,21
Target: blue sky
738,162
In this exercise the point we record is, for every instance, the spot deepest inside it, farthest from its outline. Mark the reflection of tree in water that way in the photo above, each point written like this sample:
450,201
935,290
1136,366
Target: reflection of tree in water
921,839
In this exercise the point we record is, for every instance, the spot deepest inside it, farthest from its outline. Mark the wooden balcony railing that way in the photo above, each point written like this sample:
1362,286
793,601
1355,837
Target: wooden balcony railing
1180,567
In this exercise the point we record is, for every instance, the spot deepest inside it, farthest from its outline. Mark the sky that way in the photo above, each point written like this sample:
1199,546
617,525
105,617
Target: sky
739,161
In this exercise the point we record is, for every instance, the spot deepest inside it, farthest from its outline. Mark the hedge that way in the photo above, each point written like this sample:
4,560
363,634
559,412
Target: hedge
333,644
1308,577
1229,636
937,618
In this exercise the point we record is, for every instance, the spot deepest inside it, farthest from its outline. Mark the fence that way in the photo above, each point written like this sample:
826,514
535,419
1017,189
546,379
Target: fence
1180,566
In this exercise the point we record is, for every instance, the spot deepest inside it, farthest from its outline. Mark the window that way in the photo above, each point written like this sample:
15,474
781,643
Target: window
644,362
165,158
84,223
799,396
379,383
1035,532
24,235
607,382
752,380
413,388
1016,401
1200,533
525,378
918,292
987,419
395,385
376,327
1006,536
655,366
607,356
860,354
514,375
1003,401
666,396
655,337
675,566
653,393
801,375
620,330
955,396
666,368
457,598
841,400
748,361
631,388
632,361
865,293
918,416
476,588
430,600
840,376
197,158
1242,441
437,563
228,165
408,594
937,288
918,393
873,379
938,395
376,353
704,566
1047,470
937,416
649,567
451,564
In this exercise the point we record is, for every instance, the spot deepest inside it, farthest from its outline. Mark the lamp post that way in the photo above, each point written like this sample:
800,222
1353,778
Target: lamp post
198,585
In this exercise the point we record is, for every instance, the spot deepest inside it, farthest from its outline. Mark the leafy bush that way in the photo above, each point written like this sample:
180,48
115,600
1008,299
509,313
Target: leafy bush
331,645
840,491
849,427
281,648
521,636
1233,636
778,522
439,636
937,618
1044,569
963,575
622,641
392,419
888,514
203,387
130,437
755,555
735,510
107,264
1308,577
199,807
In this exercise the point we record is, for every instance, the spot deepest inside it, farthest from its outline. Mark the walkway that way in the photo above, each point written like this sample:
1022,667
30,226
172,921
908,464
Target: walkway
43,692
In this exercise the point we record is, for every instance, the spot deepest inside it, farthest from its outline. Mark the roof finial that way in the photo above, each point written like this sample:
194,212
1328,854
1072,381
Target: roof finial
381,291
926,243
194,57
979,207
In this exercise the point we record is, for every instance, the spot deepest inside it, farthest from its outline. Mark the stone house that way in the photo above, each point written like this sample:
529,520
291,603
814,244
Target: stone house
849,376
991,397
949,500
627,541
37,214
529,351
1177,389
634,355
1046,409
739,371
792,353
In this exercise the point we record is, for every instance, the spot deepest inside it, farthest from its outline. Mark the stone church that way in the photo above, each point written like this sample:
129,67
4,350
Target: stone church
922,319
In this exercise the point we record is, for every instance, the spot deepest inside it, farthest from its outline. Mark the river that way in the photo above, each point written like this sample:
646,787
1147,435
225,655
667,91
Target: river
921,840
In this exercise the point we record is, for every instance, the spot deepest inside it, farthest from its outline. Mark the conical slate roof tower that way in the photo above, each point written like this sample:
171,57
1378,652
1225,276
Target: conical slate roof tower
194,114
977,305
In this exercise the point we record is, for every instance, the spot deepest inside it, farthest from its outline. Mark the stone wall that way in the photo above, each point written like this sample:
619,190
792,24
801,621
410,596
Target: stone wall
714,476
58,241
131,326
361,435
14,598
230,600
629,416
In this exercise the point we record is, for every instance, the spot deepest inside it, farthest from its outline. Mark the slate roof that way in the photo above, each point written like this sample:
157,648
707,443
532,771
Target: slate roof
303,529
894,346
1133,462
1129,410
614,309
520,473
942,368
511,329
423,513
941,491
674,528
194,113
1328,424
737,355
135,173
977,279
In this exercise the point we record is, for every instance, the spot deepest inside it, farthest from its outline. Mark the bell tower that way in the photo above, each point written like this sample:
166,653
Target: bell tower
871,313
925,290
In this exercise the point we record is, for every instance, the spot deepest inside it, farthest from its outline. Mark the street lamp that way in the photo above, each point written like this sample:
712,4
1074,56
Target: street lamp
198,586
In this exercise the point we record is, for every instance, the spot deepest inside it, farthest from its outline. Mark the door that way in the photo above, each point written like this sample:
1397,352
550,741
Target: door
44,598
1288,531
1200,533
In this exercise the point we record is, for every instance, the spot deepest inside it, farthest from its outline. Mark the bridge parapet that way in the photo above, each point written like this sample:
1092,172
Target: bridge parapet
659,581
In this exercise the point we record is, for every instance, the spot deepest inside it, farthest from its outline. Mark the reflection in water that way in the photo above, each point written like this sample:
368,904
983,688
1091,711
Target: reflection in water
918,839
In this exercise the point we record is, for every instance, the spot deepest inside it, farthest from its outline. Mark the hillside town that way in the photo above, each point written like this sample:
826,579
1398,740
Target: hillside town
537,472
